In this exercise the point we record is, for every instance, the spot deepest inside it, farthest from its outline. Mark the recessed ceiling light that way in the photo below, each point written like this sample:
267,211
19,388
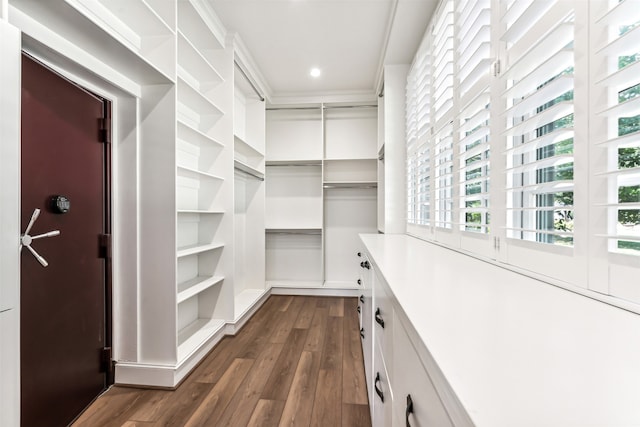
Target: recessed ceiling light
315,72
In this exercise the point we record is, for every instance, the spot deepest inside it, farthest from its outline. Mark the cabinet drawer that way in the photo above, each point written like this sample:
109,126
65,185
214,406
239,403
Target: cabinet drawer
411,379
381,398
382,313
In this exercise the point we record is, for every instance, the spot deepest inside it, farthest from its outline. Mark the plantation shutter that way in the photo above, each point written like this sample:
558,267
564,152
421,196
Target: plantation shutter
539,82
474,61
621,54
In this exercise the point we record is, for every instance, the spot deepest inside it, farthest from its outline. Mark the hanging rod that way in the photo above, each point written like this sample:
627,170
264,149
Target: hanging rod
300,231
331,107
241,167
253,86
292,108
324,107
293,163
354,185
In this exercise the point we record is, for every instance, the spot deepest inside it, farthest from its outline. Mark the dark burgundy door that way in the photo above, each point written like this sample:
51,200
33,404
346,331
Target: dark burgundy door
62,305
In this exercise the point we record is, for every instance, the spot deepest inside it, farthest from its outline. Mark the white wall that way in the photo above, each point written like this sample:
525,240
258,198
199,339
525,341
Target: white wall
9,222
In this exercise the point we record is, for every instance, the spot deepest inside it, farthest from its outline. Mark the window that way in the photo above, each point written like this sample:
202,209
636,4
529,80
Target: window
418,113
621,54
473,65
539,132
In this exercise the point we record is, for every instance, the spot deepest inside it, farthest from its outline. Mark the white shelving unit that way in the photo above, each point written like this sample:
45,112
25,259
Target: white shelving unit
145,27
249,196
320,193
203,181
350,183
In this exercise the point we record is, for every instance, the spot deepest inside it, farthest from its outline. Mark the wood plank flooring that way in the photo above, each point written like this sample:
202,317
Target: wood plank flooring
297,362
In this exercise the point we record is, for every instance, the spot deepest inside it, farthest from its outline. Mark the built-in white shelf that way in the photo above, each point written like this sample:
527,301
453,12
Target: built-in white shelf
199,212
192,336
243,167
189,172
197,249
194,100
196,285
189,133
194,23
144,27
294,162
193,63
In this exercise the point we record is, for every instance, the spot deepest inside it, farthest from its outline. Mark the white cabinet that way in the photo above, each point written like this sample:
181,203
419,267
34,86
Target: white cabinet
416,401
401,392
321,181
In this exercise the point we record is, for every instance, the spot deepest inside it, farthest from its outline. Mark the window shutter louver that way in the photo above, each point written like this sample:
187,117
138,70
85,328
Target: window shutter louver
538,78
621,54
474,62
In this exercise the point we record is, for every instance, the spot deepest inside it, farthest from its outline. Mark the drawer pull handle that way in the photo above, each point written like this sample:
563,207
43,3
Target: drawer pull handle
379,318
359,253
409,409
362,264
362,332
359,309
362,299
367,265
378,390
359,281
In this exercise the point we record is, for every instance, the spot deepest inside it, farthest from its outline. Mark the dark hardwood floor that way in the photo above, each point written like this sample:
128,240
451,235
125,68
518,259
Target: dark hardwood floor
297,362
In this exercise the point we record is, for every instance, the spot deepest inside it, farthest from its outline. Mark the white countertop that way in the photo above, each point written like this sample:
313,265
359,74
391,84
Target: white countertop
517,352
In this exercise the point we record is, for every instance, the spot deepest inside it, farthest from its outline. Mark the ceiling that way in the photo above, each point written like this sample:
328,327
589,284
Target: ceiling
348,40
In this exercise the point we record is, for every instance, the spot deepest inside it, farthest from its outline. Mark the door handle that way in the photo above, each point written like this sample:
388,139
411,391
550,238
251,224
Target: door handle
26,239
378,390
409,409
379,318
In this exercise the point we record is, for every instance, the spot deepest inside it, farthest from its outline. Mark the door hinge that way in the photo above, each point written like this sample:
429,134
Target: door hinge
105,130
105,359
105,246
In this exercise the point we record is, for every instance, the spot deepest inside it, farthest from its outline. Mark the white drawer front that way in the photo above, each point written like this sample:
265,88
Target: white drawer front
382,399
410,378
382,312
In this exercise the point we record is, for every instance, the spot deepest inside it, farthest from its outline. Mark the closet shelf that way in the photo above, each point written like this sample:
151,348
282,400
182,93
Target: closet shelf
196,65
294,163
196,285
200,211
191,337
196,173
191,134
196,249
245,168
245,148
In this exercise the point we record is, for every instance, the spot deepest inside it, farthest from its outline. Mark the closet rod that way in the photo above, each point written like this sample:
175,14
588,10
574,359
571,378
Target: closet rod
331,107
293,164
325,107
292,108
253,86
246,170
296,232
330,186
